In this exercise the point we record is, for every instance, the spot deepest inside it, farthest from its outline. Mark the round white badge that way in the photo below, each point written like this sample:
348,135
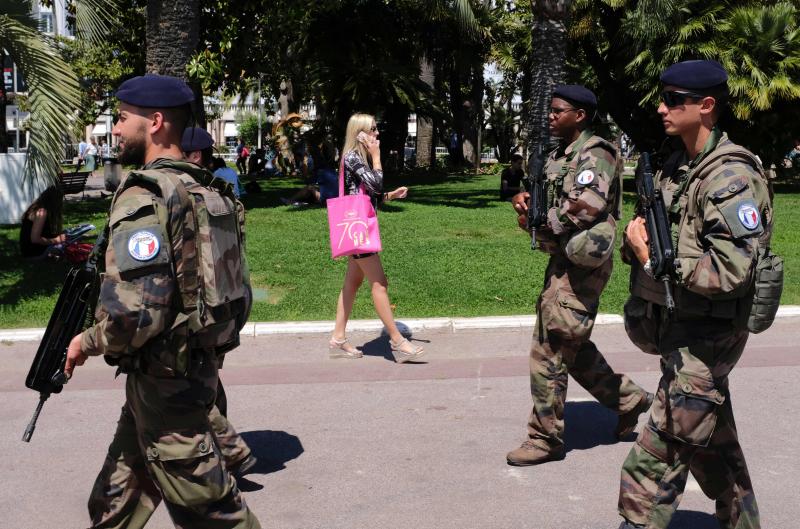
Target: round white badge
585,178
143,245
748,215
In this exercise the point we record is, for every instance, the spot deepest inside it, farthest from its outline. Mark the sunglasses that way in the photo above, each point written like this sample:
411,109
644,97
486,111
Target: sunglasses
558,111
673,98
373,128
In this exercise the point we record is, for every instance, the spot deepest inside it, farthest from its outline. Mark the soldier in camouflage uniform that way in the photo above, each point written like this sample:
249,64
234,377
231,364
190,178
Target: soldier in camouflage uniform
164,447
583,199
197,146
721,214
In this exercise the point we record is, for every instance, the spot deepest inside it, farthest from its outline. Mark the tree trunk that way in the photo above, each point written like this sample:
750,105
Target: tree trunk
3,103
173,31
425,125
549,45
393,137
456,139
474,115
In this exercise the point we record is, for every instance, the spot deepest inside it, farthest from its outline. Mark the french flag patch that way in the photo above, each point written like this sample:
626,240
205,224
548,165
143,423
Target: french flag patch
143,245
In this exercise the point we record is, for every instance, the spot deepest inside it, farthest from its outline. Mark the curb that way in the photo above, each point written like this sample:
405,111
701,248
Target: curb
414,325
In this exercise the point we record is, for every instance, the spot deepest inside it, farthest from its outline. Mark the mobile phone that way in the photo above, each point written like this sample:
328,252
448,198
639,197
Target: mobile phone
362,137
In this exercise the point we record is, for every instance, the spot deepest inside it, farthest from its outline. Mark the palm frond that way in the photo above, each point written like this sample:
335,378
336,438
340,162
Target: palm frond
53,94
94,19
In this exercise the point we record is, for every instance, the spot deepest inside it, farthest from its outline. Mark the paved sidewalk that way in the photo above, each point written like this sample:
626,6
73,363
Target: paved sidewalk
372,444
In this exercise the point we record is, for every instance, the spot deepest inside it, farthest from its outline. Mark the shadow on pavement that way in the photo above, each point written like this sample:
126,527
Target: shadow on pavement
588,424
379,346
272,449
693,520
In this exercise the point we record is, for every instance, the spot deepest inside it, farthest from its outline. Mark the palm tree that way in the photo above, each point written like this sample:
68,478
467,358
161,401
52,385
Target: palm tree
760,49
549,50
53,90
461,12
173,29
439,11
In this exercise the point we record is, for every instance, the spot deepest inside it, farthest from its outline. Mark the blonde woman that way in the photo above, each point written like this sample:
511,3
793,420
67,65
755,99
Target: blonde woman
362,166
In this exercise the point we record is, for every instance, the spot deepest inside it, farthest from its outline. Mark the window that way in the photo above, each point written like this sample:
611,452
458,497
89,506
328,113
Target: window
46,22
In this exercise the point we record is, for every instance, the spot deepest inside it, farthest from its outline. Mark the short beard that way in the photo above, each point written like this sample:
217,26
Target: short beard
132,152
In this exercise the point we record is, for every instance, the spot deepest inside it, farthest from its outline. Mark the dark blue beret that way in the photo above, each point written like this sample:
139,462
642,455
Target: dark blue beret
196,139
576,94
155,91
695,75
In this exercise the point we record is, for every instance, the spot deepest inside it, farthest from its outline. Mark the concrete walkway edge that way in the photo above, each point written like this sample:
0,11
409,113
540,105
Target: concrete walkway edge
414,325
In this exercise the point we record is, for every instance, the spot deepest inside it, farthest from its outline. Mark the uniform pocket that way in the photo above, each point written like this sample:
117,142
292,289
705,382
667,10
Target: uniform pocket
571,317
691,414
641,328
188,468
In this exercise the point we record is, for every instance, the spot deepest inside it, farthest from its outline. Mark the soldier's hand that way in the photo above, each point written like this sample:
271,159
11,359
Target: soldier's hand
522,220
520,202
636,235
75,356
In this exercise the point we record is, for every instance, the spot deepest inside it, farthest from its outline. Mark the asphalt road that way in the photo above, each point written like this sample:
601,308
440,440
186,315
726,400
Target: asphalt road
372,444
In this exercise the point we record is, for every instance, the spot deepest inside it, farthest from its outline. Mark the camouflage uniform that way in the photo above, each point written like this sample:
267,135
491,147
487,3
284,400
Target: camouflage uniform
234,449
583,198
720,214
164,446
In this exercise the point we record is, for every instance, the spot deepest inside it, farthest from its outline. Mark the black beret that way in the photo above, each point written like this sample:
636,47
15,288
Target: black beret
695,75
155,91
196,139
578,95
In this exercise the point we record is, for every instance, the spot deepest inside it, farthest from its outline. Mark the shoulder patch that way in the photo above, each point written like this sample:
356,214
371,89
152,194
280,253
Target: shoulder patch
743,217
144,245
748,215
585,177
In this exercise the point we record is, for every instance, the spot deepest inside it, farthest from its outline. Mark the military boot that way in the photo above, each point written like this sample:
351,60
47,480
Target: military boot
626,423
240,468
532,454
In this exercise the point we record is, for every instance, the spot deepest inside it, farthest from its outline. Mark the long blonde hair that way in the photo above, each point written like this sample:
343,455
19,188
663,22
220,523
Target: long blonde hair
358,123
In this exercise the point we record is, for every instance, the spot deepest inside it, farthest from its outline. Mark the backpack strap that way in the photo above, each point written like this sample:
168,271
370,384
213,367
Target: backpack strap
186,266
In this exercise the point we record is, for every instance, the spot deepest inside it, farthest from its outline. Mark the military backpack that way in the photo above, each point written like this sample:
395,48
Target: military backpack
211,270
762,301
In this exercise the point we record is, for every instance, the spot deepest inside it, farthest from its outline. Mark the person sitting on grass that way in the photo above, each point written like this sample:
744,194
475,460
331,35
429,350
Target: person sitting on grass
327,181
42,230
511,178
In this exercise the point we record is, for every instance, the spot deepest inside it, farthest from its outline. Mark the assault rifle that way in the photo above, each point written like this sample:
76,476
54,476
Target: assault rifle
74,311
537,207
659,236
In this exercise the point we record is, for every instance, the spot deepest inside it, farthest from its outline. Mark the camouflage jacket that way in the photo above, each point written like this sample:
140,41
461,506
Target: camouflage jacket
145,267
719,210
720,213
583,188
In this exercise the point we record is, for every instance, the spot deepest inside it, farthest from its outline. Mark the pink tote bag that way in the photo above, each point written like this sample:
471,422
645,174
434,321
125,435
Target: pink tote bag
352,222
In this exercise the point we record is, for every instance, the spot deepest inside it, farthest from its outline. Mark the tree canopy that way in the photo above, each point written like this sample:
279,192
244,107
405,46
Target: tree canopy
413,56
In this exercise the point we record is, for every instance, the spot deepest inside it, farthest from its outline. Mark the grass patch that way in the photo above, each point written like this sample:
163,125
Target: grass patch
451,249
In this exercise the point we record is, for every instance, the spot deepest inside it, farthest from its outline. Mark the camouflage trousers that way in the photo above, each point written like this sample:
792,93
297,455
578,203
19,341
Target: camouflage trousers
690,429
234,449
566,310
164,447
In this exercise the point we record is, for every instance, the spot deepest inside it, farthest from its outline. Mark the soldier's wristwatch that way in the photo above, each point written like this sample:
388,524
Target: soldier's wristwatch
648,268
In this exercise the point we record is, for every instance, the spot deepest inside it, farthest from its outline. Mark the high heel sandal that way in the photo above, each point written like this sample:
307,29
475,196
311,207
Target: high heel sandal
342,349
404,351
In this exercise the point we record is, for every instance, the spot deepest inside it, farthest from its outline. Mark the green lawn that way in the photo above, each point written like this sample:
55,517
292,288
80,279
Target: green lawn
451,249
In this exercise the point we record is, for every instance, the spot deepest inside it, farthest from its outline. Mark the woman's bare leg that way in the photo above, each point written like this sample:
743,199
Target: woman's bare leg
352,280
373,269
